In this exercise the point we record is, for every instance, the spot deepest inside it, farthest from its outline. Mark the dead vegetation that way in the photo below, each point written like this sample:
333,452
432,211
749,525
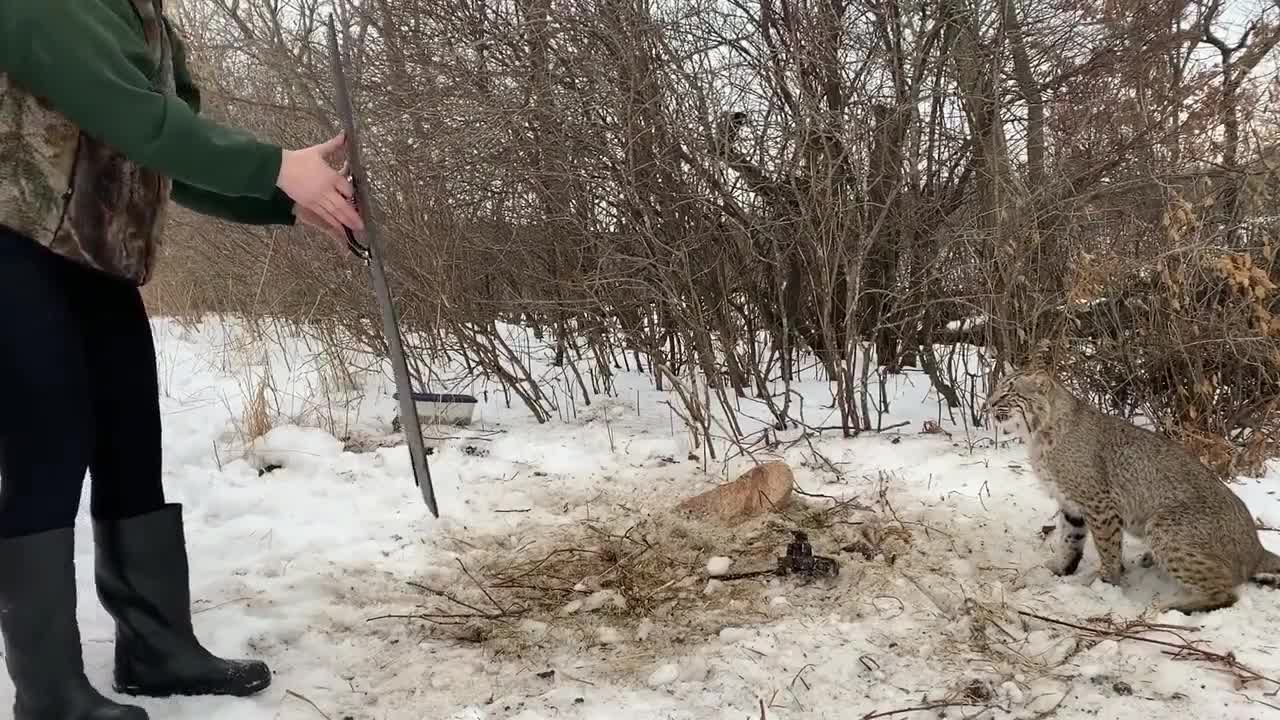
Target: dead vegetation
642,578
1191,344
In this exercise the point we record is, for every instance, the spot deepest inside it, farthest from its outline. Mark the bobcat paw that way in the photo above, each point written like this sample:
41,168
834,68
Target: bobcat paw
1115,578
1064,564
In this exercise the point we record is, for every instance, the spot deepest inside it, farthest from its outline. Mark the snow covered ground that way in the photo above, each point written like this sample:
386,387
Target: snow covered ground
303,565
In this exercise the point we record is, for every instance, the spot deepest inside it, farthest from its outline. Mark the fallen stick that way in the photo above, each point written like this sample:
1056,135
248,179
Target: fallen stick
918,708
307,700
742,575
1242,673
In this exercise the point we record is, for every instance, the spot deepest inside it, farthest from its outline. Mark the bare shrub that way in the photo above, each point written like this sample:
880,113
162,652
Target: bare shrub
711,193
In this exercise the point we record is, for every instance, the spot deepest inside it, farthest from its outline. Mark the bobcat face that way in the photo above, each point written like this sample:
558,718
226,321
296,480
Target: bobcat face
1019,402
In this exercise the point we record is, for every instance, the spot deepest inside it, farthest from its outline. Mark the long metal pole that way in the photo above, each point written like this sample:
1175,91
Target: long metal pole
409,421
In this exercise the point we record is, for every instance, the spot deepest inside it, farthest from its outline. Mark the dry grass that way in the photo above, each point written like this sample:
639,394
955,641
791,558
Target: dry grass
310,374
636,590
601,582
256,420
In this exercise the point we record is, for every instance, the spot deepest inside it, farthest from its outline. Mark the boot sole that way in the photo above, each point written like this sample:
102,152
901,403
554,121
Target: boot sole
189,690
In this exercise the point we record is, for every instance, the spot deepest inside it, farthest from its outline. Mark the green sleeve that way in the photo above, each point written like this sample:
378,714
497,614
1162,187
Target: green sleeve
89,60
249,210
241,209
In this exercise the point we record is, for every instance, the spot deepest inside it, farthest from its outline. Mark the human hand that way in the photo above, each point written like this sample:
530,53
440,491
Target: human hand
313,219
320,192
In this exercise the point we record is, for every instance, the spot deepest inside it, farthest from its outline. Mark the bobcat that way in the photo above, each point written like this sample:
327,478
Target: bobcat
1109,475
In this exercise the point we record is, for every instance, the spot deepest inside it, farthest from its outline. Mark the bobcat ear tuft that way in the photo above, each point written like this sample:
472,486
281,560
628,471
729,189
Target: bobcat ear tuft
1007,368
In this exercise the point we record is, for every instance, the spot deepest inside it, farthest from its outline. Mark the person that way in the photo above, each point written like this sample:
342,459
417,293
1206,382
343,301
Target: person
100,127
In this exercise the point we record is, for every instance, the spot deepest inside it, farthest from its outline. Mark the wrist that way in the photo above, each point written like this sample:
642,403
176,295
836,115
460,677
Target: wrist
283,209
285,156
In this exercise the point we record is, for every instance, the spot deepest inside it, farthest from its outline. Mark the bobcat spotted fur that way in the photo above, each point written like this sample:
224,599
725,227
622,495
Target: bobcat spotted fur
1109,475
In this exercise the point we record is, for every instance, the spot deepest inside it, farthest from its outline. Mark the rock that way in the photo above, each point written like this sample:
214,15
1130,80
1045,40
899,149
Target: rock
534,628
1012,693
597,600
664,675
755,492
718,566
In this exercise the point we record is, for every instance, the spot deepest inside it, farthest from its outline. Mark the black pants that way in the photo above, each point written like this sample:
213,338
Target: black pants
78,391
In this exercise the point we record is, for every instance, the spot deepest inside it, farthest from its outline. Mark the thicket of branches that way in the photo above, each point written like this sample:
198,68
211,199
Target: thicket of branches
708,190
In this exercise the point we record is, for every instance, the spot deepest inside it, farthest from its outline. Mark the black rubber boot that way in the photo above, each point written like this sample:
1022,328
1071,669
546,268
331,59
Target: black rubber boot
143,582
41,638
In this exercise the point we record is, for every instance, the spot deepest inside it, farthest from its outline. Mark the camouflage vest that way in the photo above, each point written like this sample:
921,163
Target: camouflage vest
75,195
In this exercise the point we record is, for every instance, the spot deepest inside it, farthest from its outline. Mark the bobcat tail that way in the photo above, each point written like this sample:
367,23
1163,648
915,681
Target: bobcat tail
1268,570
